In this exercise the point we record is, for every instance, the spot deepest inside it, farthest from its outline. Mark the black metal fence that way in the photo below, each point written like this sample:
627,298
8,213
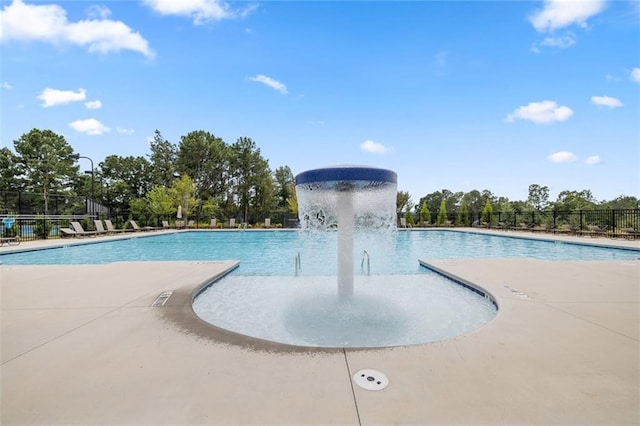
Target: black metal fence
613,221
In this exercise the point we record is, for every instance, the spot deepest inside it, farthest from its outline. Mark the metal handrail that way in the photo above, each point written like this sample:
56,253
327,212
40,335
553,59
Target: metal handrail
365,254
297,264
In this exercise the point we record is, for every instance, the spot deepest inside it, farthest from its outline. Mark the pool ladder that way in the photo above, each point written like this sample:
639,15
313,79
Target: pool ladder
297,264
365,256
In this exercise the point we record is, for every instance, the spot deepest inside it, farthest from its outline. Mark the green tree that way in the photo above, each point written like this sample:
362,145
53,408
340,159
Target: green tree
403,203
575,200
621,202
183,191
43,161
425,214
161,201
9,171
252,176
442,213
463,215
125,179
292,201
284,181
162,160
474,202
206,159
409,217
538,197
434,200
487,212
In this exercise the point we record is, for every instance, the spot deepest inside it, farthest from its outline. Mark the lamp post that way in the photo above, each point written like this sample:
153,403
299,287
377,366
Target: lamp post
76,157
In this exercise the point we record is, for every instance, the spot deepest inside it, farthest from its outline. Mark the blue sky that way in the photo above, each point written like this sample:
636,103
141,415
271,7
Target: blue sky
456,95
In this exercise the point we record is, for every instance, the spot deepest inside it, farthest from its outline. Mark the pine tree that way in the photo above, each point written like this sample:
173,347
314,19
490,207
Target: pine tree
425,214
463,215
442,214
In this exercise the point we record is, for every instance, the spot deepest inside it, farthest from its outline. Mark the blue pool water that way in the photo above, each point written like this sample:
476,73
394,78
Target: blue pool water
273,253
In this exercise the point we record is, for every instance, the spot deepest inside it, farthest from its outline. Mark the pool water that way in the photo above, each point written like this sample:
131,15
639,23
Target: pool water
274,252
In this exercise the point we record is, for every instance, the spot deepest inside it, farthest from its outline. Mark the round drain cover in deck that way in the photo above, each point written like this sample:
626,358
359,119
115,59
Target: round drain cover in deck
371,380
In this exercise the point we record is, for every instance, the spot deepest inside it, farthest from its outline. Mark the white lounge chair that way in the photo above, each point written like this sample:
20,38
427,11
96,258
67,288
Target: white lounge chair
213,224
136,227
111,228
80,230
267,222
99,228
232,223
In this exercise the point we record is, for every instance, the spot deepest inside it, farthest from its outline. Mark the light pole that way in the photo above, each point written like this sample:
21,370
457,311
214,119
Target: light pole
76,157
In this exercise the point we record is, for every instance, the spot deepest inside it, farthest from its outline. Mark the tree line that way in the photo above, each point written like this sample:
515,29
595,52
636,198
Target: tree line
202,174
210,178
439,206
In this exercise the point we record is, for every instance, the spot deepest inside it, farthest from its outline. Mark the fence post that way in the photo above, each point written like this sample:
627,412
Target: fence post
581,221
613,221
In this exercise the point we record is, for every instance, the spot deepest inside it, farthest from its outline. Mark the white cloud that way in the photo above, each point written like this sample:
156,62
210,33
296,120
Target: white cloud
201,11
373,147
90,126
610,77
606,101
274,84
51,97
635,75
6,85
594,159
563,13
101,12
441,59
93,104
125,131
561,42
562,157
49,24
541,113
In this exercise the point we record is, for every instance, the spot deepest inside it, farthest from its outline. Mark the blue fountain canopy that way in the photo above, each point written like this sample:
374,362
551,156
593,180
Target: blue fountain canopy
347,173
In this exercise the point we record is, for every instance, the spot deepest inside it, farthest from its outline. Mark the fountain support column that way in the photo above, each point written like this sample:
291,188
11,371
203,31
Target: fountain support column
345,243
335,196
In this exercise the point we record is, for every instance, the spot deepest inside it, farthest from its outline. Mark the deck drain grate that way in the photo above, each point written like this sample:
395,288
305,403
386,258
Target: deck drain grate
370,380
162,299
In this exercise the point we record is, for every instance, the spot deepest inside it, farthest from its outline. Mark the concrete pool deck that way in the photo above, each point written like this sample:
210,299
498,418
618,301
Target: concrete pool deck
81,344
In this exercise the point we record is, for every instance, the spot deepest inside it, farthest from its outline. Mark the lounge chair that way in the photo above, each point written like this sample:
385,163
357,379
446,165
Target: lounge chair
522,227
99,228
137,228
111,228
213,224
267,222
593,231
68,232
11,241
629,233
80,230
232,223
563,229
540,228
191,224
165,225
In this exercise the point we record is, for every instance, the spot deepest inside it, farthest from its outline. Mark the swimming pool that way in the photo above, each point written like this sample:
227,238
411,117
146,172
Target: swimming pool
274,252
